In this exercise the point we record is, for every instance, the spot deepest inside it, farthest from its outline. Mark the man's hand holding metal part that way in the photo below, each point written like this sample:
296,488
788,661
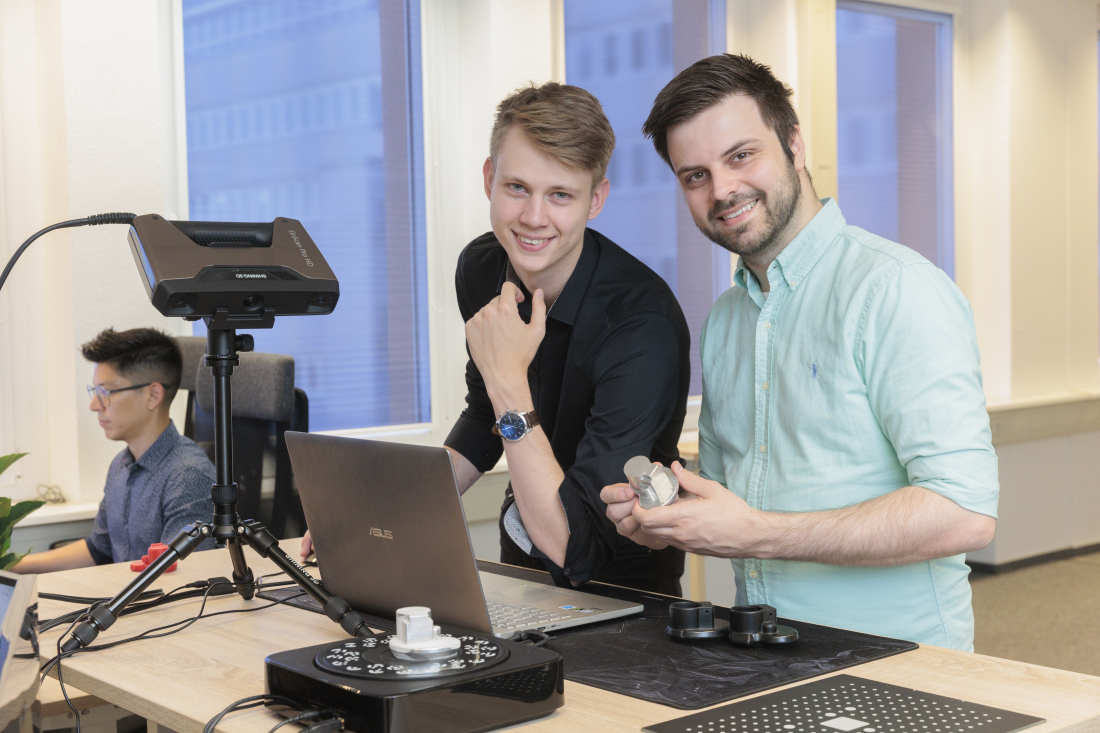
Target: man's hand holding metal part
908,525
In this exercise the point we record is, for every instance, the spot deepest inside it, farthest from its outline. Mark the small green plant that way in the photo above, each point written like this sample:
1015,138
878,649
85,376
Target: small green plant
9,515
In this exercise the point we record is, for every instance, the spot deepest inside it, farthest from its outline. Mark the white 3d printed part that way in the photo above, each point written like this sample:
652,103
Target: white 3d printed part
418,639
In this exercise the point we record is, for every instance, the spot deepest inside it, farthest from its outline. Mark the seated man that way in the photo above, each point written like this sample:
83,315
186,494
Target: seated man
161,481
844,443
579,349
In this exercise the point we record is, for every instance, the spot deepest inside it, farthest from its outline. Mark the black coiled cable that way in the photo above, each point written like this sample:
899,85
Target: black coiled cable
95,220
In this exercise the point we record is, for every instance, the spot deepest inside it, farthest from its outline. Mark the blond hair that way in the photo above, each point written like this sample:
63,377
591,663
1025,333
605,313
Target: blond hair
565,122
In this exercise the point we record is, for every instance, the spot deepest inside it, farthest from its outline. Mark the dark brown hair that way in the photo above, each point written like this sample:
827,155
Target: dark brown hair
709,82
565,122
140,355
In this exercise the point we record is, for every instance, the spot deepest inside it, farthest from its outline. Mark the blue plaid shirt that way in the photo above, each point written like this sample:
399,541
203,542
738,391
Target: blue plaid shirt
151,499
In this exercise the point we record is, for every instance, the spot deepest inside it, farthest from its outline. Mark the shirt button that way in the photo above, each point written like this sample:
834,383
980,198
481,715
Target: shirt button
764,386
793,283
763,449
753,574
767,325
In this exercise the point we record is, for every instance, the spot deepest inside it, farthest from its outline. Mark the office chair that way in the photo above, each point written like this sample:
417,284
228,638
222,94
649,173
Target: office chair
193,349
265,405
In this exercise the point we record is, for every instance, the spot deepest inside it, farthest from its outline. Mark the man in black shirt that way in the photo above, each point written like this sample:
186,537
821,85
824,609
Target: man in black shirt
579,353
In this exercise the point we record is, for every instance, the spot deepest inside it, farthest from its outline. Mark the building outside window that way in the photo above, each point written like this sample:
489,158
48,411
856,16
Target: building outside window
624,52
311,111
894,125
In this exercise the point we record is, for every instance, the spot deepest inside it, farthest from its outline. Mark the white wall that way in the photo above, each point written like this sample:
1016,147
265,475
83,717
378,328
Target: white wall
87,124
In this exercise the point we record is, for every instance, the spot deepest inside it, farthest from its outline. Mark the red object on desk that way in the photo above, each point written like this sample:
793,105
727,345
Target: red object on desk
155,550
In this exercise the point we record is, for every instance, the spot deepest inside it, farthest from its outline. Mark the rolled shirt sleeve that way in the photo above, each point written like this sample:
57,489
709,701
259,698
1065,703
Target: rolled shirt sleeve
919,357
637,372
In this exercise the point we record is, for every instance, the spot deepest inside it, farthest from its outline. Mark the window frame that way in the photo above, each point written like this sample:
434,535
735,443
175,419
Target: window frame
946,189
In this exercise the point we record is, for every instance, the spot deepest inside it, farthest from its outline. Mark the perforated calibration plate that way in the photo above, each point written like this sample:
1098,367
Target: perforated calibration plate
370,658
845,704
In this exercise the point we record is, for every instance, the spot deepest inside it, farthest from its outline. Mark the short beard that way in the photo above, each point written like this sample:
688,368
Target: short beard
777,218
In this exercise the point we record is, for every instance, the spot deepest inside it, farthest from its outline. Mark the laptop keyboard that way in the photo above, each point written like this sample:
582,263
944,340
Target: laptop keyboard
503,616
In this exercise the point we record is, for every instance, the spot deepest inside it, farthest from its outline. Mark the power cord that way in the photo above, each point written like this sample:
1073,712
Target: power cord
171,596
331,722
211,585
86,600
250,702
114,218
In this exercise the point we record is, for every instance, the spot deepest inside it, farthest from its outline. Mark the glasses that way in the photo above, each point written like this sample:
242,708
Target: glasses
101,393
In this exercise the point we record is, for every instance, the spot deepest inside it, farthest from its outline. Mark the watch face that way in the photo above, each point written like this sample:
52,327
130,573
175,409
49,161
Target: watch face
512,426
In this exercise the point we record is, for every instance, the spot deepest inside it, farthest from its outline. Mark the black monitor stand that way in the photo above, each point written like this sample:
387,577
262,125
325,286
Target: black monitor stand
222,345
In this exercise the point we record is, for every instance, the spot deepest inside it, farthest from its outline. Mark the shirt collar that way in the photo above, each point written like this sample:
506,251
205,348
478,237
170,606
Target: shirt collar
798,258
160,448
568,303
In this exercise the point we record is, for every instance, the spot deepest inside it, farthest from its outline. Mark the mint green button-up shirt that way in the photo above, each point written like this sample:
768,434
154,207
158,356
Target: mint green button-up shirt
857,375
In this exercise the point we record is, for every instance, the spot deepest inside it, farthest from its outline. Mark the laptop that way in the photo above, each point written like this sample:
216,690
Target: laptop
17,593
389,531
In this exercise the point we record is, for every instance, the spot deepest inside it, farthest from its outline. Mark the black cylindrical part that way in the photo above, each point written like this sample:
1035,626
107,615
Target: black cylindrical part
223,430
691,615
746,619
221,357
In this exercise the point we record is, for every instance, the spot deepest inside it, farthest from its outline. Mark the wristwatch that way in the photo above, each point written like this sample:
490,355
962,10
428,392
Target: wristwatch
513,424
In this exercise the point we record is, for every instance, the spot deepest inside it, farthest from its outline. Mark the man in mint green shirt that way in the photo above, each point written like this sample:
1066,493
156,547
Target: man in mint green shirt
844,445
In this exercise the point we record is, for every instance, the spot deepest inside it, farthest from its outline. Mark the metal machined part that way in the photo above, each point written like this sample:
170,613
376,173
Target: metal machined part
654,485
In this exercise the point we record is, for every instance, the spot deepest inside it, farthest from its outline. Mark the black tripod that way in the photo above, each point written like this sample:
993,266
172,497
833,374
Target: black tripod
222,345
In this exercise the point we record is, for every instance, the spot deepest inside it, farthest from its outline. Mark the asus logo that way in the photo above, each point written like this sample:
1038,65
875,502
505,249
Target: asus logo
383,533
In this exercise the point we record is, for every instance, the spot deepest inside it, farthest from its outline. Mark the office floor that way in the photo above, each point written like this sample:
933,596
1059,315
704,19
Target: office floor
1047,614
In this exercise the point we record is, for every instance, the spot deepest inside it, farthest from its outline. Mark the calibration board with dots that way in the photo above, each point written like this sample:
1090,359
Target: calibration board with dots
846,704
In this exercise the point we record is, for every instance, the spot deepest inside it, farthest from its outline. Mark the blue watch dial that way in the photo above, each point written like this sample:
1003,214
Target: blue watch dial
512,426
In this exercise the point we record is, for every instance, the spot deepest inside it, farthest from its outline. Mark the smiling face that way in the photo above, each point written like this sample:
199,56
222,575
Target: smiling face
539,209
743,191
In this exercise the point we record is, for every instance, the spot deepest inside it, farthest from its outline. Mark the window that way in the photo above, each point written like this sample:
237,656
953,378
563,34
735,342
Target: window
894,153
640,46
312,111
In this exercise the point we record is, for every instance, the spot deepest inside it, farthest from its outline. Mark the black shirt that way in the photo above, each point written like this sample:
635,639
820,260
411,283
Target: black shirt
609,382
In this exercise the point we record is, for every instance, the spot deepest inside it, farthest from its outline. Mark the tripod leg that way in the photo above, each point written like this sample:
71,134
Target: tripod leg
103,616
336,608
243,579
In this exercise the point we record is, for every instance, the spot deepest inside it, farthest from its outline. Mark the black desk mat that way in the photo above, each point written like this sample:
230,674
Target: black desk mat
847,703
634,656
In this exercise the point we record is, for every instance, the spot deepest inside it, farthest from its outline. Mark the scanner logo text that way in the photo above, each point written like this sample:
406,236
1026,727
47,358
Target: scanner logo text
298,244
383,533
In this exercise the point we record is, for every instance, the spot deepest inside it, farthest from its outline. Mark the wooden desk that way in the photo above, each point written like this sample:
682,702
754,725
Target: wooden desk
183,680
18,694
